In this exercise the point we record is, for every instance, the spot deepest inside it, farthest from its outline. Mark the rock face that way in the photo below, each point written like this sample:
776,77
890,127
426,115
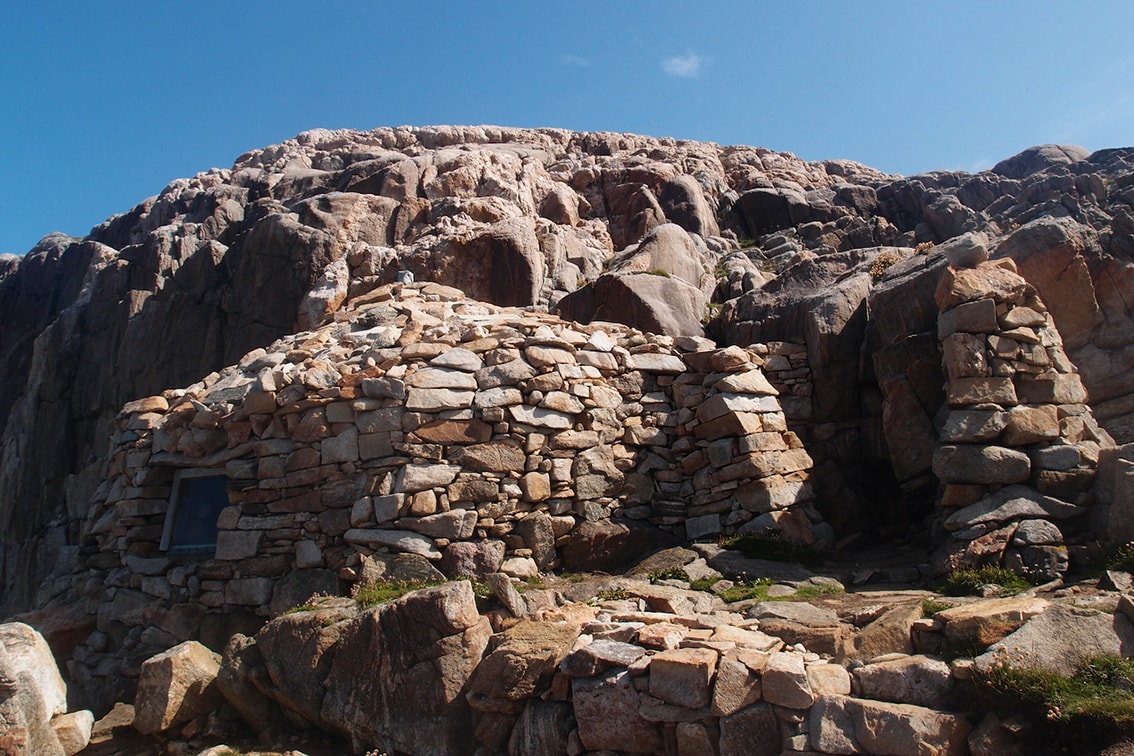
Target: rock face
231,259
467,430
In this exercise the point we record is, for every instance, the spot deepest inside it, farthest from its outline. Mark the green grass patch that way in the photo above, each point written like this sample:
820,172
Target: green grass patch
968,582
704,584
1094,705
1122,558
613,594
535,582
299,609
384,591
931,606
809,591
660,272
712,310
772,546
673,573
754,589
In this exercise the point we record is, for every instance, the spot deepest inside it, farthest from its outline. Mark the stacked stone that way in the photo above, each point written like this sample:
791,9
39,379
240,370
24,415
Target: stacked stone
659,670
1019,441
787,368
749,473
483,439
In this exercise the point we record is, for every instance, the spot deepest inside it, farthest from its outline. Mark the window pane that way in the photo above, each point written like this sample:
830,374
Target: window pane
195,522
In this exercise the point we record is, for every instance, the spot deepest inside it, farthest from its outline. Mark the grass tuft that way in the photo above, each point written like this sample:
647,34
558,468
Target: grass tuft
881,264
968,582
673,573
773,546
1122,558
384,591
754,589
1095,704
613,594
931,606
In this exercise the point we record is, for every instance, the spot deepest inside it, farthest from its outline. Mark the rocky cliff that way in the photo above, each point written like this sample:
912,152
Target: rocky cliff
658,234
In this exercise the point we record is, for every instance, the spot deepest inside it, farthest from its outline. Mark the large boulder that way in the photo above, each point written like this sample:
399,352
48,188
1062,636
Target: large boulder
520,666
666,249
502,265
1062,637
607,714
651,301
1039,158
392,677
175,687
31,693
606,545
27,654
841,724
240,665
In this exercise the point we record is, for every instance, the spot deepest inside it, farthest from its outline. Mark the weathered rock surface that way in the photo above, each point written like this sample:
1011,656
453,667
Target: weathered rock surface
175,687
33,697
292,234
1063,636
410,422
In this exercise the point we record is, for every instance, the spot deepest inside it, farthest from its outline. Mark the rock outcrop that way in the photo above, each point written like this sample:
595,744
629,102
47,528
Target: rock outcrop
231,259
614,343
425,674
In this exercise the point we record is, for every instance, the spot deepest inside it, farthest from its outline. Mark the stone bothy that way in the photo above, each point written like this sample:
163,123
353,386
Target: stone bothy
481,438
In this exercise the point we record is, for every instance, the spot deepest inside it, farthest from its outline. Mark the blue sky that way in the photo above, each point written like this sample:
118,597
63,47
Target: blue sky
105,103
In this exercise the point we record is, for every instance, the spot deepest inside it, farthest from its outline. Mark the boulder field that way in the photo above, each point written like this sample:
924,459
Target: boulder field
492,355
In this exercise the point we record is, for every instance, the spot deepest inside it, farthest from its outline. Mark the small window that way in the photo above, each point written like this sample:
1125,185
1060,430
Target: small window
196,503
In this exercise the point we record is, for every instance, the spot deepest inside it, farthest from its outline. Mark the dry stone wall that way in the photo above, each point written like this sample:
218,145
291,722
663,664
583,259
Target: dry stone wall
1020,447
482,439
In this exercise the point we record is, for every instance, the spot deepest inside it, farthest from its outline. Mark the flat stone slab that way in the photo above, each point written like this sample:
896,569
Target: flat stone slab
975,463
1061,637
795,611
540,417
651,362
398,540
989,621
598,655
733,564
1012,503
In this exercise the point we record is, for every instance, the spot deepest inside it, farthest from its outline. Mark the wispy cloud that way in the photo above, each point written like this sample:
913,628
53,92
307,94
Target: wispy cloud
978,165
683,66
575,60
